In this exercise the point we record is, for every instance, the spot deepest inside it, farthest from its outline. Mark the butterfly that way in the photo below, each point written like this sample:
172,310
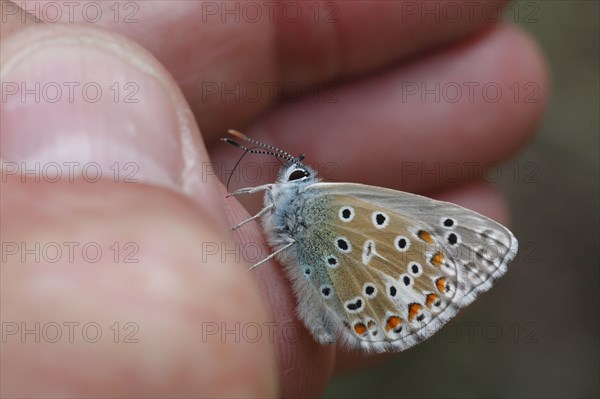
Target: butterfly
375,268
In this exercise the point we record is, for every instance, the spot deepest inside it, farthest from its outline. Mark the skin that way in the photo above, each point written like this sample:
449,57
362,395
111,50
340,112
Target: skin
175,207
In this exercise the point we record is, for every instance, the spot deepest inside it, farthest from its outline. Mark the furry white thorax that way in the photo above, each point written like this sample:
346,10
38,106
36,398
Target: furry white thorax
287,197
285,220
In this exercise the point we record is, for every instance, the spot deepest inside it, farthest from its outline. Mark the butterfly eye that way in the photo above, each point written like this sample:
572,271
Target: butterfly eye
298,174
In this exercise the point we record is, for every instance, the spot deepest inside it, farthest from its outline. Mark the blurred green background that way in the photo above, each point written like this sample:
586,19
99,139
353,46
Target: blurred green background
537,335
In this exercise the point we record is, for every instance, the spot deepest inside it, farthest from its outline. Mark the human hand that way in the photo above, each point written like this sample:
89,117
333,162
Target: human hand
175,291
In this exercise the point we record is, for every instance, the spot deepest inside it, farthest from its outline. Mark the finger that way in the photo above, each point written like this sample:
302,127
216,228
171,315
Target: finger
294,44
145,230
14,19
375,133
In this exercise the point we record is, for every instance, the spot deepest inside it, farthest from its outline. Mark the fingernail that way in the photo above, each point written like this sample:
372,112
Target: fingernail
87,106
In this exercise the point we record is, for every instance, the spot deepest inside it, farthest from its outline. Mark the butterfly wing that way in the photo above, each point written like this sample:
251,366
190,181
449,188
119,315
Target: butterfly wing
391,268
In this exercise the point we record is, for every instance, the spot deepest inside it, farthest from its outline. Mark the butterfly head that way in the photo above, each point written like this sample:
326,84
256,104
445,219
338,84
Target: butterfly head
295,172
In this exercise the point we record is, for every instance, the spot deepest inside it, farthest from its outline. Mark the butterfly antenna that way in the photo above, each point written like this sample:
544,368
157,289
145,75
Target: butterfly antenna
234,168
286,154
255,150
247,150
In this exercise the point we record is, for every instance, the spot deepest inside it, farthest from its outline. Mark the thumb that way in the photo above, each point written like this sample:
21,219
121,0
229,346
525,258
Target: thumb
106,287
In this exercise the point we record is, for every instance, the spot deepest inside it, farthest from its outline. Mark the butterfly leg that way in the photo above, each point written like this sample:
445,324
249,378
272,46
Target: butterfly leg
250,190
259,214
280,250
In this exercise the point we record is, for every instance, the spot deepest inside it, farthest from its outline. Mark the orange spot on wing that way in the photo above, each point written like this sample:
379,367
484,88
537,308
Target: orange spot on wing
392,323
413,310
431,298
440,283
360,328
437,259
425,236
